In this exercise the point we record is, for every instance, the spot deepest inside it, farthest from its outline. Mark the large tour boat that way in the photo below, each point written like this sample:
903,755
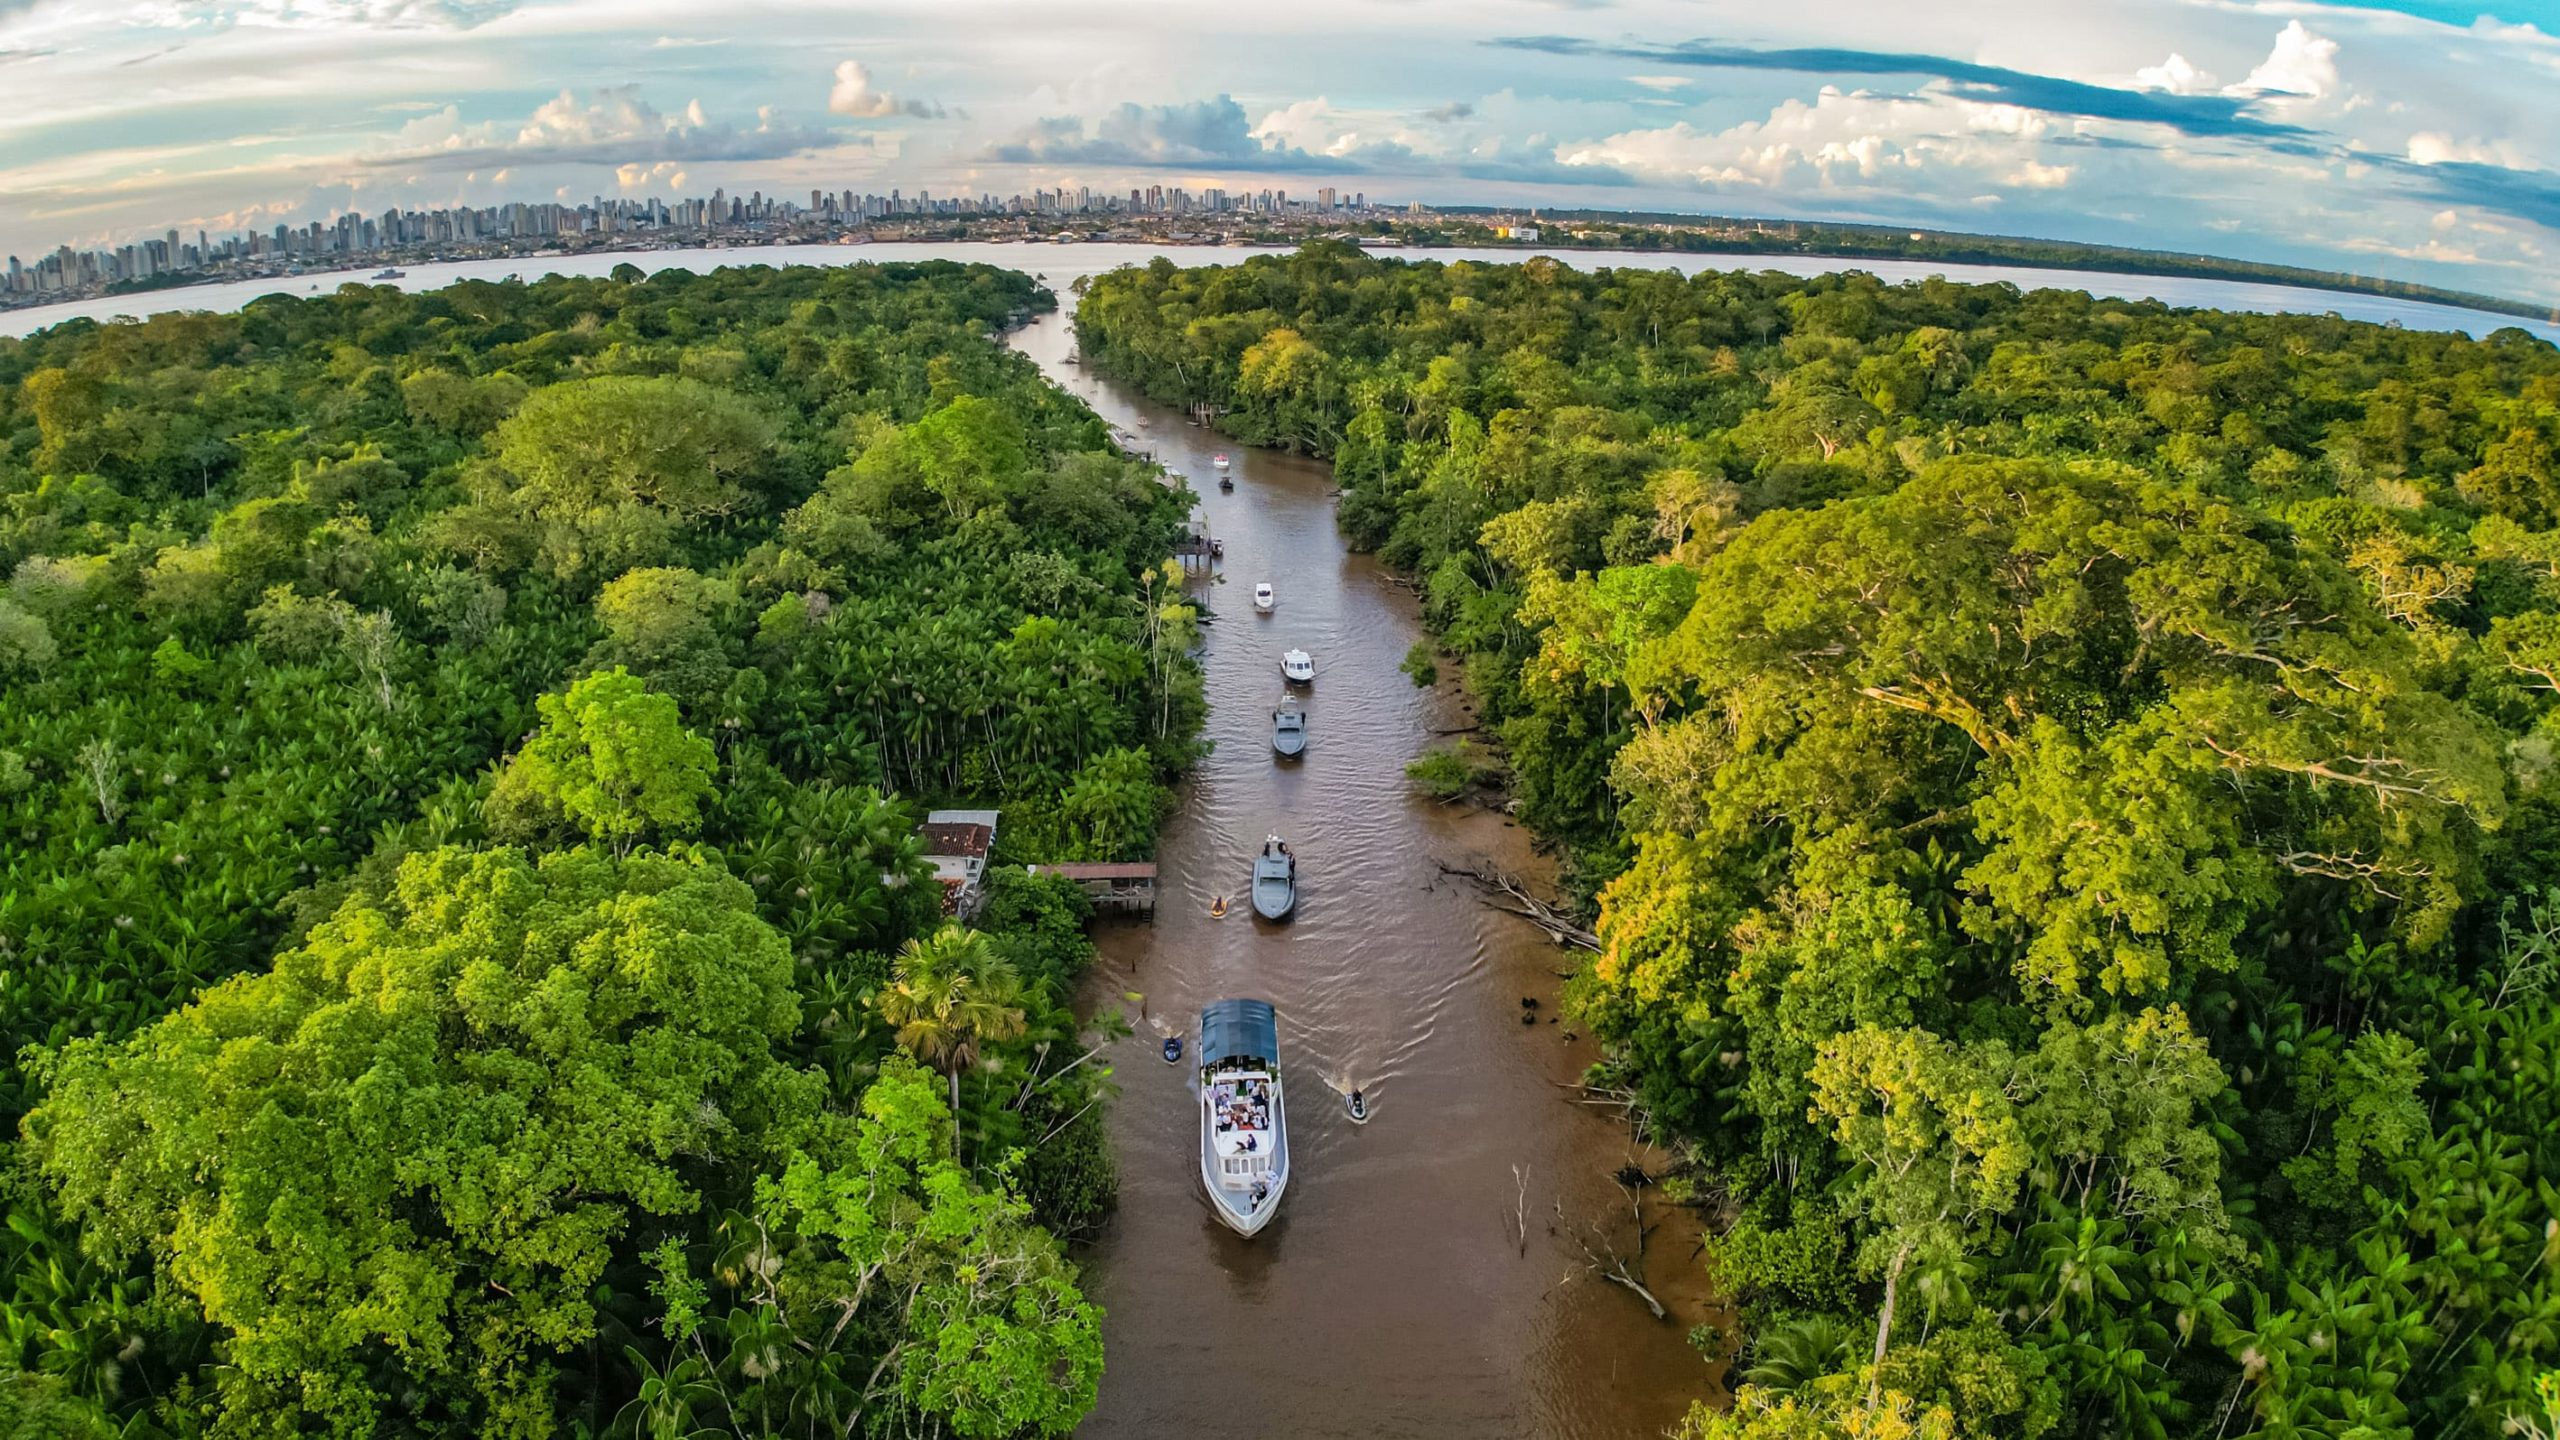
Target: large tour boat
1244,1133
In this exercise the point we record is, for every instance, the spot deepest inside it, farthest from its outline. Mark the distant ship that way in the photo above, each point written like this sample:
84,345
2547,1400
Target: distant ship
1244,1132
392,275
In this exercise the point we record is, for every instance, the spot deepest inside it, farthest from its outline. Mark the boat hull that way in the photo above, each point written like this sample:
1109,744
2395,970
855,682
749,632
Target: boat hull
1275,899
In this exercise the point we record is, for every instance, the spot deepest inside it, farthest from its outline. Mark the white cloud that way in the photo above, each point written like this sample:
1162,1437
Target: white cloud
855,95
2302,63
2434,147
1660,82
320,14
611,126
1841,138
2177,75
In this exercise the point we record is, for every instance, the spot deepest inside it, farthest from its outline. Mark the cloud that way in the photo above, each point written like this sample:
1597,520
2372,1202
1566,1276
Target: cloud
2177,75
612,126
2194,115
684,42
855,95
1203,134
320,14
1661,82
1454,110
1915,147
1380,142
2531,195
2302,63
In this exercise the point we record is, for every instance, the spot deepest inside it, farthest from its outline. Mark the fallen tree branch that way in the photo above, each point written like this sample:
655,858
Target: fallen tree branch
1544,914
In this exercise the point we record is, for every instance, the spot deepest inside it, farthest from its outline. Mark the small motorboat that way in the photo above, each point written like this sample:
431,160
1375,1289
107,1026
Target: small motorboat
1219,460
1289,727
1226,482
1275,880
1299,666
1244,1128
394,274
1217,549
1173,1049
1354,1102
1262,600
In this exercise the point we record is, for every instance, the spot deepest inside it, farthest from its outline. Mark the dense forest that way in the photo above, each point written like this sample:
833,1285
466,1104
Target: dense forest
465,958
2065,787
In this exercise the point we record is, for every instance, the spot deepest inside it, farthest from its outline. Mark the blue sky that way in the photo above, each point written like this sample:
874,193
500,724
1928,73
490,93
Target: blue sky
2418,139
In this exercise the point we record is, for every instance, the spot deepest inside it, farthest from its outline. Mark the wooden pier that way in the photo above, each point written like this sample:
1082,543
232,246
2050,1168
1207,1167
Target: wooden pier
1125,889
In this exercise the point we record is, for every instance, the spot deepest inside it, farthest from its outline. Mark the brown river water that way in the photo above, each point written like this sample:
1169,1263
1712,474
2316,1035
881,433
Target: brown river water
1395,1294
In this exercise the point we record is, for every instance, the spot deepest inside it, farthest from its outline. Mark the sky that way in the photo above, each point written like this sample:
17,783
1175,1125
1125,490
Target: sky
2418,139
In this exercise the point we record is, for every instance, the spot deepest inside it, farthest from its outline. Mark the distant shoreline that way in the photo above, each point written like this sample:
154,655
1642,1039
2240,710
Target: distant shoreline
1828,240
1560,235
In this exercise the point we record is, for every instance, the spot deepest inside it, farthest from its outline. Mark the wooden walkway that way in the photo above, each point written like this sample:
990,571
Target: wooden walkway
1128,889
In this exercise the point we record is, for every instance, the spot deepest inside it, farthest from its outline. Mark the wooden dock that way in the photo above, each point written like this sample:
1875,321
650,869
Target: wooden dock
1120,889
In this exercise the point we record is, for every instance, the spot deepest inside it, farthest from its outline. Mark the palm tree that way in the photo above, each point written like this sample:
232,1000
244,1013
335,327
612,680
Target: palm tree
1801,1351
950,995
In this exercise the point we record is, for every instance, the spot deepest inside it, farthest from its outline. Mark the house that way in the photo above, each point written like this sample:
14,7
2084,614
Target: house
956,843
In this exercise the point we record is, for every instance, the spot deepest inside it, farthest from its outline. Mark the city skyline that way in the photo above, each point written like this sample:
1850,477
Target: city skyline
2408,139
67,269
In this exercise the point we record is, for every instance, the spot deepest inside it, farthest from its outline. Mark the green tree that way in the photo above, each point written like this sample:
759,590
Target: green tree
978,1325
614,759
404,1156
950,996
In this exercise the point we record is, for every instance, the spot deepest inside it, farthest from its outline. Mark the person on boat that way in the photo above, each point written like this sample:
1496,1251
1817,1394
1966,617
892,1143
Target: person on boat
1356,1102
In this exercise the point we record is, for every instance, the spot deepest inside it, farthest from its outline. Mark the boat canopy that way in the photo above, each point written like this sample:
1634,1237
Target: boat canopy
1239,1030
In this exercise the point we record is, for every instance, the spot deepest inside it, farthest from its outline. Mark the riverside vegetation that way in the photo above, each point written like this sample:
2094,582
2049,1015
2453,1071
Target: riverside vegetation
2067,789
464,953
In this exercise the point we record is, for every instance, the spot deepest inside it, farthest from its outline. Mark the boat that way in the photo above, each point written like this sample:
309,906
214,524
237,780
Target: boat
1275,880
1299,666
1262,596
1226,482
392,275
1289,727
1173,1049
1217,549
1244,1126
1358,1105
1218,460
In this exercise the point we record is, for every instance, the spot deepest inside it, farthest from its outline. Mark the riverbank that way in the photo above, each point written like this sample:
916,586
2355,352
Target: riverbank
1062,264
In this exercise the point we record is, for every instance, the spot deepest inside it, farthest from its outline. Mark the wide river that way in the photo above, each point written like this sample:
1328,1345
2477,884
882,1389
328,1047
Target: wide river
1063,263
1395,1295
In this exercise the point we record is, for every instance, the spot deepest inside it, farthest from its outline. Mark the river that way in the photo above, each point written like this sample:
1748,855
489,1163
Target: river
1063,263
1395,1294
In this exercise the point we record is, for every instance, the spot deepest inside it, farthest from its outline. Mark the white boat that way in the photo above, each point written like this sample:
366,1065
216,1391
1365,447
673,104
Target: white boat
1219,460
1244,1128
1299,666
1289,727
1262,596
